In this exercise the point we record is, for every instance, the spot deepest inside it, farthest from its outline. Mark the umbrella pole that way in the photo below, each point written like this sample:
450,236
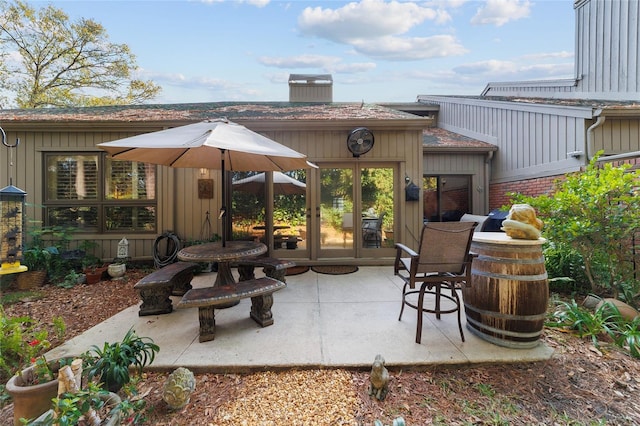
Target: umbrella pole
223,209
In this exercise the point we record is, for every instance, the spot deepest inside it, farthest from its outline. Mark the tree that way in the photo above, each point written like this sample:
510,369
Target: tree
62,63
596,212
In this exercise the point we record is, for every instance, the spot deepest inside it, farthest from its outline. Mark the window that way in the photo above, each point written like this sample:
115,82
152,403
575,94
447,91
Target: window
446,197
75,197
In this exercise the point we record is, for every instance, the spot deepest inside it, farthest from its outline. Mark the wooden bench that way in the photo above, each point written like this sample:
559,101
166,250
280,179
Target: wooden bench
260,290
272,267
155,288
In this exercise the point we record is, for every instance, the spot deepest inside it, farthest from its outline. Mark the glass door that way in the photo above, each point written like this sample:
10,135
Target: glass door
356,210
271,207
336,212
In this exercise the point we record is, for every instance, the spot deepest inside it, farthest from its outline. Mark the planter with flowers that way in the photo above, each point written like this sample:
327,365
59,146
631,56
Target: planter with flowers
33,388
66,389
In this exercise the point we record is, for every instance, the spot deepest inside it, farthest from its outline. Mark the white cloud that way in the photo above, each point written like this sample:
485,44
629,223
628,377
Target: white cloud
499,12
324,63
301,61
548,56
366,19
374,28
495,69
409,49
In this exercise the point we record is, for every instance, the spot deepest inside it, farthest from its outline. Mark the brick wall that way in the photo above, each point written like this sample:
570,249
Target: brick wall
498,192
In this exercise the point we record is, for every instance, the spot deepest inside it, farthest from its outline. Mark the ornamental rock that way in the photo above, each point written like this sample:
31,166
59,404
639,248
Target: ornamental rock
178,388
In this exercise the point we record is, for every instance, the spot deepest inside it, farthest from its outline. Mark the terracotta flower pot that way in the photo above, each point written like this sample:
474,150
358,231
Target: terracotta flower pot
94,275
30,401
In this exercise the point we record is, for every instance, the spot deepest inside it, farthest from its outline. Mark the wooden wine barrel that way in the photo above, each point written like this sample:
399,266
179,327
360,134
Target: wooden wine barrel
506,303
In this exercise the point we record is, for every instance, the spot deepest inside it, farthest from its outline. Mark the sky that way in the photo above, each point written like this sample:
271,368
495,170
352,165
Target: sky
375,50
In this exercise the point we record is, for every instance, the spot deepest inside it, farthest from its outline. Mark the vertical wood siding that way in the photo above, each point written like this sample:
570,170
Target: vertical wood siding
178,207
532,140
607,45
472,165
617,136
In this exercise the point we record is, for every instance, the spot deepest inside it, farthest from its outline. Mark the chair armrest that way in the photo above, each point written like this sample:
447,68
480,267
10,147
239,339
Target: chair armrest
398,265
402,248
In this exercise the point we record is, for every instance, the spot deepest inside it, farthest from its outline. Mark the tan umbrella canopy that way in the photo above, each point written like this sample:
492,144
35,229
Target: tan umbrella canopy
282,184
211,144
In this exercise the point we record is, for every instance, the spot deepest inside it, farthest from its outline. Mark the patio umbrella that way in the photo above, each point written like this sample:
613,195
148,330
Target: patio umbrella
212,144
282,184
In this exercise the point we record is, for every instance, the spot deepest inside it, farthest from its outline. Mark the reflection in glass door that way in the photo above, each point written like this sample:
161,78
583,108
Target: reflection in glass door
446,197
336,210
377,201
356,211
271,207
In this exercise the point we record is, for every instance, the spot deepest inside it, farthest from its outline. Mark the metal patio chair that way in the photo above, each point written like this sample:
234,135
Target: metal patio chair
372,232
443,262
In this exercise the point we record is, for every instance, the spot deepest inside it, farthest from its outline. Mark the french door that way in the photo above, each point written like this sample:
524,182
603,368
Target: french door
354,210
342,211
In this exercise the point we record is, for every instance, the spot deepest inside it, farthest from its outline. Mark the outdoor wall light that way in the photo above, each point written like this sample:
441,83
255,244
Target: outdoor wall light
204,172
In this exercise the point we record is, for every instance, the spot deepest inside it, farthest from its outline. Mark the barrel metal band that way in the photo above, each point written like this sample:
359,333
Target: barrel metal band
538,277
504,332
493,259
502,342
501,315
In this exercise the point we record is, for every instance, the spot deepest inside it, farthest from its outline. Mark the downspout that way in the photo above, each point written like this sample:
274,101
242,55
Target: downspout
487,171
590,131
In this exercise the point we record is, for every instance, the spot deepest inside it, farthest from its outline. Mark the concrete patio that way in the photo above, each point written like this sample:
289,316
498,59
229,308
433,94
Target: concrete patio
321,321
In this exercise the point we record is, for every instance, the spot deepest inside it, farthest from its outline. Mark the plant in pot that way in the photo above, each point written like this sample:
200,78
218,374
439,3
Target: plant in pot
86,405
37,259
33,388
22,339
110,364
117,269
92,266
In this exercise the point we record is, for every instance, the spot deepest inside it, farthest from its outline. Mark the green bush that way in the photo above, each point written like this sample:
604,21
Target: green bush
21,340
595,213
110,364
604,321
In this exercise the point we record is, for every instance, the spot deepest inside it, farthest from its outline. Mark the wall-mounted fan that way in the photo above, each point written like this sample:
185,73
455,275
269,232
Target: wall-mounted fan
360,141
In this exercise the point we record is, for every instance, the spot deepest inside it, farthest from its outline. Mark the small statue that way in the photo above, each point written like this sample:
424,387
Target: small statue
379,379
522,223
178,388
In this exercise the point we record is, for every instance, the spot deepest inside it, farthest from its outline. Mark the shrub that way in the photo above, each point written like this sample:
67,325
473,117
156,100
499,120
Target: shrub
595,213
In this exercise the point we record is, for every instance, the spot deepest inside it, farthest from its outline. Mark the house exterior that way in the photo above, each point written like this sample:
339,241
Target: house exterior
69,181
544,129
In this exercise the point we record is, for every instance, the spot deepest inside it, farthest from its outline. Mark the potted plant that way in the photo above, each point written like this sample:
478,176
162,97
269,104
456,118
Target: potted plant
110,364
92,265
90,403
117,269
37,259
33,388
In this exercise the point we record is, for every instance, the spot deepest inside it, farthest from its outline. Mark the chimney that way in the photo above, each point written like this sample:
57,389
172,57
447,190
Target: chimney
310,88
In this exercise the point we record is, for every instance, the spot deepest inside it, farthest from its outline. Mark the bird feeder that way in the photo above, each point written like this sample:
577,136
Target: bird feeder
12,202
